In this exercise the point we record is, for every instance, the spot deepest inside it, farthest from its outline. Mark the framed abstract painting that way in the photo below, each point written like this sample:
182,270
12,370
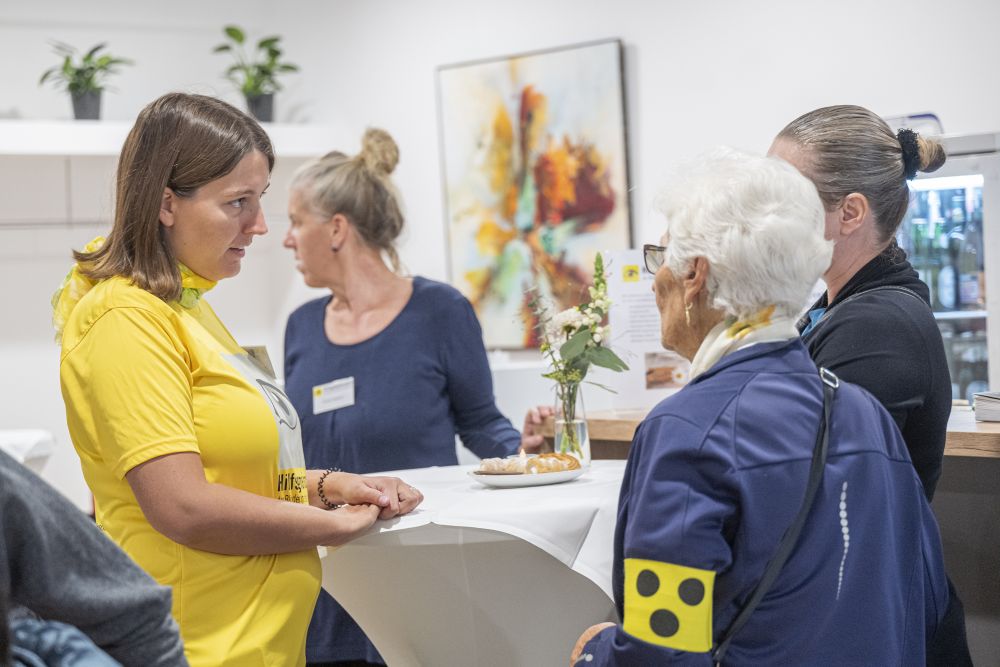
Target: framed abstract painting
535,172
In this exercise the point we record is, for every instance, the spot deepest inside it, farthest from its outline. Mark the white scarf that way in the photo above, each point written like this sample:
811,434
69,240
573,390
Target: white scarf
731,334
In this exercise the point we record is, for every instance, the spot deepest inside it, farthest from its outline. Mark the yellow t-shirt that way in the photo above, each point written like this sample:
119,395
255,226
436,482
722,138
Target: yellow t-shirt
142,378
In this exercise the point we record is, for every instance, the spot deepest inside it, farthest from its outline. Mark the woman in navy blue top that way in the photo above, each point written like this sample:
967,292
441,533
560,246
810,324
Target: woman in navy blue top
388,369
417,383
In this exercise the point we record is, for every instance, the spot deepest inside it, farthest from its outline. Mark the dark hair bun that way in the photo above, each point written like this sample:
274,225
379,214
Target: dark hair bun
919,154
378,151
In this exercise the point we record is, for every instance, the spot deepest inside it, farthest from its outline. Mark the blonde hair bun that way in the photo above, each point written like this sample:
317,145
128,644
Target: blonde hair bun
932,155
379,151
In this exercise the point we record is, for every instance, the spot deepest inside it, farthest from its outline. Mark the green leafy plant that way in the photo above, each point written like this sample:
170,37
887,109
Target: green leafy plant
258,75
86,75
573,340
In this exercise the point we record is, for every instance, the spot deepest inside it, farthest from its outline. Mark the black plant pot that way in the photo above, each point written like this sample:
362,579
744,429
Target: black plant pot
87,106
261,107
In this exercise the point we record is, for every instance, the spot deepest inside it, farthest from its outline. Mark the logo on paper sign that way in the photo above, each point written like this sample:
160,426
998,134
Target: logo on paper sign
630,273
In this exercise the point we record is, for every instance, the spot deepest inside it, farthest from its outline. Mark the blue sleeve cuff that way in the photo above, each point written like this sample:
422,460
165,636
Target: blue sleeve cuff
614,646
598,651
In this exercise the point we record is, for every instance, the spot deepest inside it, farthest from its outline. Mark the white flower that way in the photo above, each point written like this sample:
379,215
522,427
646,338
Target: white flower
597,338
564,324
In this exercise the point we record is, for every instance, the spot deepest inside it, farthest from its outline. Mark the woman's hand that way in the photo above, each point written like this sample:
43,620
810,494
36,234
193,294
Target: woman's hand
390,494
531,436
406,497
350,522
587,635
349,489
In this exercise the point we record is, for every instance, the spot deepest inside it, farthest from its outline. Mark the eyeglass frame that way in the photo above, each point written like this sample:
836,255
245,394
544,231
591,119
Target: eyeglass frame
653,257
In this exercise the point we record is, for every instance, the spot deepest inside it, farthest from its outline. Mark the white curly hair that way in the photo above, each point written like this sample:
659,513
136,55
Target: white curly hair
757,221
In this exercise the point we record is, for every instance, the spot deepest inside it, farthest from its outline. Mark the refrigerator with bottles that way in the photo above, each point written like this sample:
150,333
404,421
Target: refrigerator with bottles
951,233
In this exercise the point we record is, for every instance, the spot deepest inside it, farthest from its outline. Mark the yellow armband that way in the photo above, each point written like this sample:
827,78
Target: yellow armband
669,605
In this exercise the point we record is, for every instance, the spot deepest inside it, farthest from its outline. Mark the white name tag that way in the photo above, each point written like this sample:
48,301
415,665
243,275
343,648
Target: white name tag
333,395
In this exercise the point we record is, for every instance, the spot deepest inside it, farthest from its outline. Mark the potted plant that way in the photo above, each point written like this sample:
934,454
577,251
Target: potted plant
256,78
84,79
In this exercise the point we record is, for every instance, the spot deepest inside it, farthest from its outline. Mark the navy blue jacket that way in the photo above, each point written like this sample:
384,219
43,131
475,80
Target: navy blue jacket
716,474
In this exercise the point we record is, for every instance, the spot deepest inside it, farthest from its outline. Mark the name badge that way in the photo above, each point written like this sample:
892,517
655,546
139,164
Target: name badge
333,395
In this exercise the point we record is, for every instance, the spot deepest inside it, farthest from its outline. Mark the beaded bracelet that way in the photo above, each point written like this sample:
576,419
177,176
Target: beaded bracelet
319,489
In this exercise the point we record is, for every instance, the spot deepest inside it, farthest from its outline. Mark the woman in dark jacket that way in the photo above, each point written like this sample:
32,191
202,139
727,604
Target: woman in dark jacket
718,472
874,325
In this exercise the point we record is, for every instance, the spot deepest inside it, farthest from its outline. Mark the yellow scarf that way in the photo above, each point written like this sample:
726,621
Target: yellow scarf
732,334
75,285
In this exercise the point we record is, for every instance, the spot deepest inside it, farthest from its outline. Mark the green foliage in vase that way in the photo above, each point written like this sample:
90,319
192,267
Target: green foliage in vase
573,340
258,75
86,75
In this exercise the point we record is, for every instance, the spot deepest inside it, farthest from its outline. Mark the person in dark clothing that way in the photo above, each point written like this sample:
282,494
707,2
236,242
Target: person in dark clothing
901,360
58,565
874,326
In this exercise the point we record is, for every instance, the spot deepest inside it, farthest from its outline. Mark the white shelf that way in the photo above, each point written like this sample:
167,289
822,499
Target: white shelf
960,315
105,138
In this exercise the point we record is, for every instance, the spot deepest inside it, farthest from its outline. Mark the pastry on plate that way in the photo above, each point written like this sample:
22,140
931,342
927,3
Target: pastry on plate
528,465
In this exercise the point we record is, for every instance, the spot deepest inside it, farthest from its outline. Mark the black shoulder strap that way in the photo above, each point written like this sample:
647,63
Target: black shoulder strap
881,288
791,536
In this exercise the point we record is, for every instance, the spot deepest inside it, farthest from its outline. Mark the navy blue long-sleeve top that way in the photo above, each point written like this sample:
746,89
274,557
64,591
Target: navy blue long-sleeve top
417,383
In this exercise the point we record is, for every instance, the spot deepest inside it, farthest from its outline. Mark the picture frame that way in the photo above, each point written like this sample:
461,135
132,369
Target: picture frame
535,178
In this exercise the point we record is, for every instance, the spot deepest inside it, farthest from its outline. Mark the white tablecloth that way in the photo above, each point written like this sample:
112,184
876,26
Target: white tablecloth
483,576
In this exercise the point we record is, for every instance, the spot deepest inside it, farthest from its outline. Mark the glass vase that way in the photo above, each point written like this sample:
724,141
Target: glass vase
571,433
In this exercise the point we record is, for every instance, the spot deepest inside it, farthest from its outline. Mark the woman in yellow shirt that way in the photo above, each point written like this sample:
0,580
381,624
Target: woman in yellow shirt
191,448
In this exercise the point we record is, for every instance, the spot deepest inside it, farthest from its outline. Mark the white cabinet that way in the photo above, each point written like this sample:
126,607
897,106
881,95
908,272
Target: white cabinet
90,188
63,172
33,189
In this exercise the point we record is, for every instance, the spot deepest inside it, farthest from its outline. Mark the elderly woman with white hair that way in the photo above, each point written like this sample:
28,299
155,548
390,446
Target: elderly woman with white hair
769,513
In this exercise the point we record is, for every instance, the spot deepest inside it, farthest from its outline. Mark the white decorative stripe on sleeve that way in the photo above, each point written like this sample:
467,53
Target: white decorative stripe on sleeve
846,531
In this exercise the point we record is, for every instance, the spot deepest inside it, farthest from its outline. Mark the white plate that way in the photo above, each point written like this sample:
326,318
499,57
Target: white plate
536,479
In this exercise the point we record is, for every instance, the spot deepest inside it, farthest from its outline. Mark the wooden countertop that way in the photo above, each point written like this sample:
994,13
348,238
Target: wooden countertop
611,433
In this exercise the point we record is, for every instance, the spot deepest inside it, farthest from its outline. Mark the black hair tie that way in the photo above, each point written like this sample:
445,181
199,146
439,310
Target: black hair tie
911,152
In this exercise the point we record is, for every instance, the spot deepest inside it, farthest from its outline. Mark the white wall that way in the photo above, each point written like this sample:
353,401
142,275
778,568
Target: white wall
170,43
697,73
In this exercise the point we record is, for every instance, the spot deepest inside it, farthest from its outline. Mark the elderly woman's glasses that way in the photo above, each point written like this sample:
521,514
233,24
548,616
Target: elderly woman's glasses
652,256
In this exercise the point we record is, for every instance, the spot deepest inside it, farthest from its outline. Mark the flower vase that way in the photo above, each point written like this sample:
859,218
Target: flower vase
571,434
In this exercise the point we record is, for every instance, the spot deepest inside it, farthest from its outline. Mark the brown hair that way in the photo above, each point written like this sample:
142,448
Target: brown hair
181,142
359,188
849,149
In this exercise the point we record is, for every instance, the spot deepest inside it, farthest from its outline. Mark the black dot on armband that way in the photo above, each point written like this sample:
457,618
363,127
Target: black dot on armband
691,592
647,583
664,623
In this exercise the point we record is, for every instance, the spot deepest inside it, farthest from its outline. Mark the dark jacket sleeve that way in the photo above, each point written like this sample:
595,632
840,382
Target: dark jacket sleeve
58,564
480,424
674,504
